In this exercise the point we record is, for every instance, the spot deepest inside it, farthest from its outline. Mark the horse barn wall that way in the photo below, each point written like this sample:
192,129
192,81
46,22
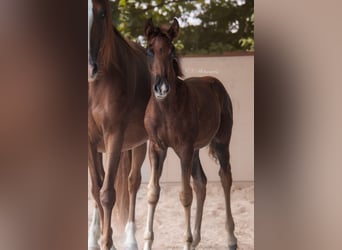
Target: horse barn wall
237,75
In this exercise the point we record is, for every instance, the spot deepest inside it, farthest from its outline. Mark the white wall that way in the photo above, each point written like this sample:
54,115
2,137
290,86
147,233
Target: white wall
237,74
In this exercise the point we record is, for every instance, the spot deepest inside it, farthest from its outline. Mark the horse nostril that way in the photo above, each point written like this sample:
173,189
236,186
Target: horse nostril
156,88
95,67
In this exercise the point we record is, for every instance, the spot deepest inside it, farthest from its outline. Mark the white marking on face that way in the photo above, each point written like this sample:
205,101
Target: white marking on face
162,91
90,20
163,88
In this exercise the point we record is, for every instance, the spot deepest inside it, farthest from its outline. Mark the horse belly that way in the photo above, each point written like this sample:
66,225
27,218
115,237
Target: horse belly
135,135
207,129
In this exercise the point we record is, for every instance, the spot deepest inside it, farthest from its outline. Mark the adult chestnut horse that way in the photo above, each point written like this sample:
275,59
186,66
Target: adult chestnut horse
185,115
119,90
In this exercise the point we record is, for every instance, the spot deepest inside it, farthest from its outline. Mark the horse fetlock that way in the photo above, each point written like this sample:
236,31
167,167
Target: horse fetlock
230,226
188,238
149,236
107,197
232,240
232,247
107,244
196,239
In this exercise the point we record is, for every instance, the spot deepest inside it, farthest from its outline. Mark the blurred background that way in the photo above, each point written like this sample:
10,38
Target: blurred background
43,146
207,26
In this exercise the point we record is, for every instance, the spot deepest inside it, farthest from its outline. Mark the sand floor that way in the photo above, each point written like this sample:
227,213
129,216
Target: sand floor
169,218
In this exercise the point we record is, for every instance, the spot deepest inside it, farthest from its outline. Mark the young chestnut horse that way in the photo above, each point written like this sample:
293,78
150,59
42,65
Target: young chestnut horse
119,90
185,115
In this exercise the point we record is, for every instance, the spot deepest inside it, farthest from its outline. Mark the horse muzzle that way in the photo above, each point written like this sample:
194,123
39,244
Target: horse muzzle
161,89
92,70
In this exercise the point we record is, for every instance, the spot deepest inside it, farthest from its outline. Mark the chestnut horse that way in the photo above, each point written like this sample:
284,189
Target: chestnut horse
119,90
185,115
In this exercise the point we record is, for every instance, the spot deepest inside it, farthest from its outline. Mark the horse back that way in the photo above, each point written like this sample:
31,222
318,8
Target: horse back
208,91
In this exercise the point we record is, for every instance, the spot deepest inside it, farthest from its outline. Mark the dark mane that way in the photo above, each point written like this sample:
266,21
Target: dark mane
176,65
124,52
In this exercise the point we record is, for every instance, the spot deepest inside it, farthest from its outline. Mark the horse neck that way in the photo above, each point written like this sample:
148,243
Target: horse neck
118,52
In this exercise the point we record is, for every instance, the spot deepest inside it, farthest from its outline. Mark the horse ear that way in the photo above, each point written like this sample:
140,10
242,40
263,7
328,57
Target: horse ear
149,28
174,29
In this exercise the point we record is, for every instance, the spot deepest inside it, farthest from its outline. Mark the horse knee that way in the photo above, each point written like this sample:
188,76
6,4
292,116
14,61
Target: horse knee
153,195
134,182
95,191
186,198
107,197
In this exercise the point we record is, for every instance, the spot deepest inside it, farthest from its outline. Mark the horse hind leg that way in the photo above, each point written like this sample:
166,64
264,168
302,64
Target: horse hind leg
221,151
199,186
134,181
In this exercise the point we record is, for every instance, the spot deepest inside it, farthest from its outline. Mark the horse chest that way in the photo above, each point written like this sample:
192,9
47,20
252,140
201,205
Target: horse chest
175,131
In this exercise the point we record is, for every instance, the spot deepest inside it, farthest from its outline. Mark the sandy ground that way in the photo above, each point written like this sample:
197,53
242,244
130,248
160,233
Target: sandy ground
169,218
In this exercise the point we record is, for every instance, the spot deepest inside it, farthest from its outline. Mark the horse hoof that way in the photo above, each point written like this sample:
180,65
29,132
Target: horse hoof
233,247
188,247
94,248
131,246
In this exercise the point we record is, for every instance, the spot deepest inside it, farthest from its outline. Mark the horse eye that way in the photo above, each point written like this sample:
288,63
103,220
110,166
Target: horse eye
102,14
149,52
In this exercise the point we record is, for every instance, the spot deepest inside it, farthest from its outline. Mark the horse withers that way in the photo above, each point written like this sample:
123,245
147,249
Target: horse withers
185,115
119,90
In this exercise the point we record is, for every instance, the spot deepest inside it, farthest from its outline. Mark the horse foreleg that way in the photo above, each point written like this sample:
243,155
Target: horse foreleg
96,175
157,156
185,194
113,143
94,230
199,185
134,181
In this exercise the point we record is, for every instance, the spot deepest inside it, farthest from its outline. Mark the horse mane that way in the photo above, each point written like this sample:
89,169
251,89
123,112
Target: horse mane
117,51
176,65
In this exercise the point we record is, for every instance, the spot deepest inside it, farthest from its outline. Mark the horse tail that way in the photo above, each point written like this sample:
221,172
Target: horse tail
121,188
212,151
224,132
